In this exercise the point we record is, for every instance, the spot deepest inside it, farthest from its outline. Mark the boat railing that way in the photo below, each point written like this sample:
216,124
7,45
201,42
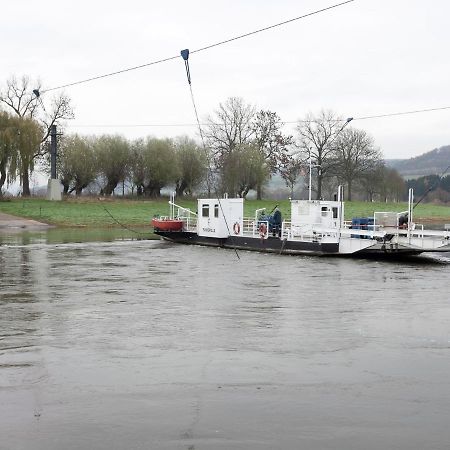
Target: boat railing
258,213
310,232
248,226
189,223
180,211
252,227
188,216
316,231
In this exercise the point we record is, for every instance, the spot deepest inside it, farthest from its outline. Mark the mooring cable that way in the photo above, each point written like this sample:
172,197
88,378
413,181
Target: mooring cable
121,224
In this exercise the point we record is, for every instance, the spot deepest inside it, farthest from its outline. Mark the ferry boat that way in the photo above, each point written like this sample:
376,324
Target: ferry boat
315,227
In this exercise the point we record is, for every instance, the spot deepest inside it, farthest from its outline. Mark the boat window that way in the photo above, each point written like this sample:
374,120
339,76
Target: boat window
335,213
205,210
324,211
216,210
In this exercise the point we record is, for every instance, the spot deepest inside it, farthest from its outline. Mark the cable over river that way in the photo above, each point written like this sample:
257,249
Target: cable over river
142,344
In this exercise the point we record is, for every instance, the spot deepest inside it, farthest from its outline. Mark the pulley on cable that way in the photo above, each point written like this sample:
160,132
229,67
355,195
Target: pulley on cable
185,56
37,93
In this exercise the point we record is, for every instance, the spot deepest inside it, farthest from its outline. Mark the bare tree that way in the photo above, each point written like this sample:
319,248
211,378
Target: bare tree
355,156
272,145
317,134
230,127
23,97
236,131
291,172
384,183
18,95
227,132
394,186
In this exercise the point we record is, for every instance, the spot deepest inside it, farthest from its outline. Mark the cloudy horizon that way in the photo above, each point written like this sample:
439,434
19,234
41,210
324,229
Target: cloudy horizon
360,59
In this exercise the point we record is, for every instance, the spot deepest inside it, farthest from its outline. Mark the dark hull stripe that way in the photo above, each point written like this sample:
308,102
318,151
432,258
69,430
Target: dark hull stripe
270,245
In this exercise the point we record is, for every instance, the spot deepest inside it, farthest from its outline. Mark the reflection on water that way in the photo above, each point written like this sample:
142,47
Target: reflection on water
79,234
108,342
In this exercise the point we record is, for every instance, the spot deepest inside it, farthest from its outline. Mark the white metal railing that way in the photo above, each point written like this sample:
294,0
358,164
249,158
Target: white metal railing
181,211
258,213
186,215
189,223
252,227
307,232
248,226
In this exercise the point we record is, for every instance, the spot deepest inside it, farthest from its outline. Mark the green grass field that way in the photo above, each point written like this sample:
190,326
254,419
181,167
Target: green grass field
88,212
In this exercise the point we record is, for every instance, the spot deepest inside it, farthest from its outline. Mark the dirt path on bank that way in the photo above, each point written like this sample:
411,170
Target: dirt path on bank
10,223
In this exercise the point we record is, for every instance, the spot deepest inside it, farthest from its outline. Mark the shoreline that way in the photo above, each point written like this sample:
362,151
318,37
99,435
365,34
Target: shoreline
13,223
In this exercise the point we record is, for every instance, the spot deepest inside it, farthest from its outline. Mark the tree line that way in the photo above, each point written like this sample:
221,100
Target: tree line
241,150
431,187
248,147
145,166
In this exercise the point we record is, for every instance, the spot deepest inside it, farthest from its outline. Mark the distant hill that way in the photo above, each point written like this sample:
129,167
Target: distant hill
430,163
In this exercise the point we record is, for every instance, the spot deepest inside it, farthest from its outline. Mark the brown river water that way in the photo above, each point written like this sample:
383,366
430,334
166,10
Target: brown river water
112,343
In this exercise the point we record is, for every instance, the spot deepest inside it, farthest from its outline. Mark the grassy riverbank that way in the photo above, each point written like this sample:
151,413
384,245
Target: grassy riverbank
89,212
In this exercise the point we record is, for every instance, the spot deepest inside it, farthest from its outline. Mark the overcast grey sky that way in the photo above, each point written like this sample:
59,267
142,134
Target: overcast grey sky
365,58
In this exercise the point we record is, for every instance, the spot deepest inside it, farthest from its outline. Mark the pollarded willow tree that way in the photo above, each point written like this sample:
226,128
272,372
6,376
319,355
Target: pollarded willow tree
77,163
19,97
192,164
154,165
19,141
113,159
8,144
27,138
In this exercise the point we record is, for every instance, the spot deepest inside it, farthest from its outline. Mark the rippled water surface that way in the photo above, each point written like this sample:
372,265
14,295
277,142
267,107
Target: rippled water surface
142,344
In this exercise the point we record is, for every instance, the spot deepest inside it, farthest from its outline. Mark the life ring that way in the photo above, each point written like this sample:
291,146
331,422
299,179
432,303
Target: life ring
263,230
236,228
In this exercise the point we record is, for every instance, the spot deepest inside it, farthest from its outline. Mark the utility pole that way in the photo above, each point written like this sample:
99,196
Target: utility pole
53,186
53,150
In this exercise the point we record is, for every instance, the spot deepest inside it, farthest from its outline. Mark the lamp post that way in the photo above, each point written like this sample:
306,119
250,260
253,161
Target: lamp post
310,175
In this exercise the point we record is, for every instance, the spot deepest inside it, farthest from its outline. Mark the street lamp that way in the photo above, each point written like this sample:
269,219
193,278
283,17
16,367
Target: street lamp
310,174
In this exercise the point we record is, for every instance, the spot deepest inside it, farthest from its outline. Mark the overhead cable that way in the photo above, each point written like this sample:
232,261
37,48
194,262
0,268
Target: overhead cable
272,26
401,113
207,47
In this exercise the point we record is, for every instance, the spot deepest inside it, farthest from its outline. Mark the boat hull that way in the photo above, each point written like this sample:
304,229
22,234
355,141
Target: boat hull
269,245
291,247
167,224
